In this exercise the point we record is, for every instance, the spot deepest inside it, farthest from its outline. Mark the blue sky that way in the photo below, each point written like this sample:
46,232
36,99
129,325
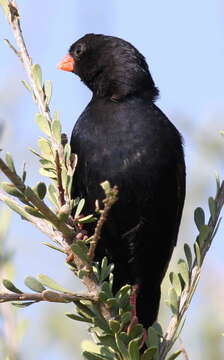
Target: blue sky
183,44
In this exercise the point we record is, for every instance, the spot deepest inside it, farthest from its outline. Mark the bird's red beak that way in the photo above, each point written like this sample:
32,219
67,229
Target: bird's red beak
67,63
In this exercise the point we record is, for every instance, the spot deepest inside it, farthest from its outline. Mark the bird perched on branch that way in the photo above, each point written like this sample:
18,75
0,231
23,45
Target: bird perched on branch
123,137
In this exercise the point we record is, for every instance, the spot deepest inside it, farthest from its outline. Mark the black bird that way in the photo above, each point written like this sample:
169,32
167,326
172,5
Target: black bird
123,137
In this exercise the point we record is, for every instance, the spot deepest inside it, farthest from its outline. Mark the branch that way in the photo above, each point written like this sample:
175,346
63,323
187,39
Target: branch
67,231
47,295
108,203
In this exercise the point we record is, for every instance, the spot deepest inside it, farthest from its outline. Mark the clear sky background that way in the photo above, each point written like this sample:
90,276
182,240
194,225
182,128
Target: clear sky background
183,44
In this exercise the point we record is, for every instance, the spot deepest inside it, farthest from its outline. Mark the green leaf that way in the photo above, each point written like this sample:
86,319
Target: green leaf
108,341
12,190
199,217
43,124
173,301
23,304
188,255
9,161
87,219
84,308
37,75
153,341
11,287
27,86
78,249
79,208
15,207
53,247
212,207
52,284
174,355
53,194
121,346
48,173
126,317
149,353
93,356
48,90
40,190
184,272
114,325
4,5
136,331
34,284
56,130
33,211
133,349
46,149
78,318
197,252
175,281
204,234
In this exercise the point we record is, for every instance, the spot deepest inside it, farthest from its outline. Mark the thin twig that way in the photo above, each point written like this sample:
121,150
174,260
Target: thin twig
47,295
103,217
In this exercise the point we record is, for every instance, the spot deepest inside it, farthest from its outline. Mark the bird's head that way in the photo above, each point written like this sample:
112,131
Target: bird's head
109,66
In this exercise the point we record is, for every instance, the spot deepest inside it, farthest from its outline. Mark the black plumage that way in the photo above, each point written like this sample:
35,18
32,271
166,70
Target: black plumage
123,137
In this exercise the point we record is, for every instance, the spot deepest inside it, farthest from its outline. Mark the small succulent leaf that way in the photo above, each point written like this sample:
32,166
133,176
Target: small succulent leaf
87,219
52,284
184,272
37,75
188,254
33,211
126,317
149,353
46,149
48,173
197,252
48,90
78,250
133,349
203,236
23,304
12,190
40,190
15,207
174,355
78,318
136,331
43,124
84,309
9,161
121,346
212,207
152,338
11,287
56,130
79,208
176,283
34,284
199,217
114,325
53,247
93,356
173,299
53,194
27,86
158,328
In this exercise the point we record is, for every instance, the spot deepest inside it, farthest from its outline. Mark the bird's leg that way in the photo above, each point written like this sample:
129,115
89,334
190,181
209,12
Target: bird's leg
133,298
134,317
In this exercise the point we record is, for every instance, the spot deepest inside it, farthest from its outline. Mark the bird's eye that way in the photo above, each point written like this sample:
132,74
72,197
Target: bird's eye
78,50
